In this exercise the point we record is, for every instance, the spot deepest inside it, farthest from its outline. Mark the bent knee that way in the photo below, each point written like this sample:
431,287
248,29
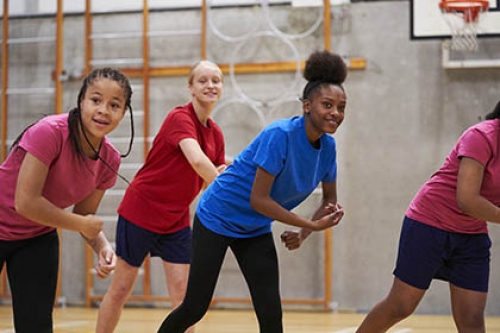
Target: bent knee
119,293
401,311
471,322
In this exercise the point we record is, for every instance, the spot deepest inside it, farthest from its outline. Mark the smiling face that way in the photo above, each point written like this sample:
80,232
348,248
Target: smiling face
102,108
206,83
324,111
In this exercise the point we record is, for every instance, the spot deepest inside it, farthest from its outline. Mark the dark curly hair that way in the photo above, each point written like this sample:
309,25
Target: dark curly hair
495,114
323,67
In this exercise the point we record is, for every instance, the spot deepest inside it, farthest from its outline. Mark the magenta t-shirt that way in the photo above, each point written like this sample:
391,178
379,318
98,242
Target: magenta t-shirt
69,180
435,204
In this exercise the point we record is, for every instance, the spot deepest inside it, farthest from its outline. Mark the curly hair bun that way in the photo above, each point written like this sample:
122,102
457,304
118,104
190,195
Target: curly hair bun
325,66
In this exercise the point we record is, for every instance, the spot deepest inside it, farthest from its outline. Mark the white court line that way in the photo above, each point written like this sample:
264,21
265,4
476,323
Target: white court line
404,330
68,324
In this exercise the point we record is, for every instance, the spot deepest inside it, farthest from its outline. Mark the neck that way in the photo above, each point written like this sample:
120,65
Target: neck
312,133
203,111
90,145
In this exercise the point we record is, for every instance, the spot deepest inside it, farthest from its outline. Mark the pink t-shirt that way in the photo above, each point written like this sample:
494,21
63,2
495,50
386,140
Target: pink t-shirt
435,204
69,180
159,197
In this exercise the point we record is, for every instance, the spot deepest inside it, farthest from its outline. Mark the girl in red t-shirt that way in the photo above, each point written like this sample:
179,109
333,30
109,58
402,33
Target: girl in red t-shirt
187,153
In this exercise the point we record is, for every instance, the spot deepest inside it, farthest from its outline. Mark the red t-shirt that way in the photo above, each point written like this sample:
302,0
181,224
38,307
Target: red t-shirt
436,202
159,197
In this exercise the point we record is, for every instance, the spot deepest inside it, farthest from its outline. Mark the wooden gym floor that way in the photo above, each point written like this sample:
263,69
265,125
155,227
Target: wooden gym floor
139,320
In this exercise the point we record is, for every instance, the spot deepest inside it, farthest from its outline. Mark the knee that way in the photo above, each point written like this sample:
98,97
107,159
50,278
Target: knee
470,322
189,314
118,293
401,310
177,293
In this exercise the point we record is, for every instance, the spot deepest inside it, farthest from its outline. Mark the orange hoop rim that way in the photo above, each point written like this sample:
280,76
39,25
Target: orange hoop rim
464,5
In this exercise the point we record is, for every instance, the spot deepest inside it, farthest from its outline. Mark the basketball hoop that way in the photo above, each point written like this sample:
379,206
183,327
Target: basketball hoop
462,16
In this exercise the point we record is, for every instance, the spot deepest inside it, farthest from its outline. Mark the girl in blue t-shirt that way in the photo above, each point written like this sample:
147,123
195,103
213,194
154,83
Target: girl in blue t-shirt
270,177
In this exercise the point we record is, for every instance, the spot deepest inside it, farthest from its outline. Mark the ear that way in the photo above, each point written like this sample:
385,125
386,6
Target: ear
190,89
306,105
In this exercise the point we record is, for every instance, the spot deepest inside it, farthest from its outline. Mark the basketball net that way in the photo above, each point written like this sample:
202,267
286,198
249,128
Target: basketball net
462,17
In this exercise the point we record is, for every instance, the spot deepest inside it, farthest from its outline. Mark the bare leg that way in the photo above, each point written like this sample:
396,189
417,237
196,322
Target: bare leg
399,304
468,309
116,296
177,276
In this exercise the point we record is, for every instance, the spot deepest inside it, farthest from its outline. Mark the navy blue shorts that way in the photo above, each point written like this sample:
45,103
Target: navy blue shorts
134,243
427,253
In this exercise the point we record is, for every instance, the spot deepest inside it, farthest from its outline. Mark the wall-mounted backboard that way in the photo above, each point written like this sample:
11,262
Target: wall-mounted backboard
426,20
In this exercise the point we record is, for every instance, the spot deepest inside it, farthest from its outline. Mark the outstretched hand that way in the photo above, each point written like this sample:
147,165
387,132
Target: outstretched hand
293,239
336,212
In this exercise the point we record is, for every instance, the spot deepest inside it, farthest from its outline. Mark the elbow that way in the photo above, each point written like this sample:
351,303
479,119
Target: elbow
254,203
22,207
25,204
259,204
464,204
461,203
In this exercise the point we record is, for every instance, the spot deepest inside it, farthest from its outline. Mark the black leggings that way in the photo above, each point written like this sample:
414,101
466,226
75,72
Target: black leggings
32,267
258,262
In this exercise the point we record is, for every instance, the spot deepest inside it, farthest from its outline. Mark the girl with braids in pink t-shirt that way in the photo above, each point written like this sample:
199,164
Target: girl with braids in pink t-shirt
60,161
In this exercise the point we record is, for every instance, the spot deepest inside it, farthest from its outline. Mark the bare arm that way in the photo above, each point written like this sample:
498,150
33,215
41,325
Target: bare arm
469,199
100,245
199,161
328,203
30,203
89,206
261,201
293,239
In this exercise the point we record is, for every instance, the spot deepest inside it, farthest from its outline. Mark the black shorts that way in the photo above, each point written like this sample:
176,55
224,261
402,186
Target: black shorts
134,243
426,252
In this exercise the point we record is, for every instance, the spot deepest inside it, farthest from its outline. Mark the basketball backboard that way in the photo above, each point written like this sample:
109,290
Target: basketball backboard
427,22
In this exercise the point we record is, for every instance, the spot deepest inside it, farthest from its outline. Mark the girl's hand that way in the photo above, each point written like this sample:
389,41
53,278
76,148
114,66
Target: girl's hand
329,220
106,263
92,226
221,168
291,239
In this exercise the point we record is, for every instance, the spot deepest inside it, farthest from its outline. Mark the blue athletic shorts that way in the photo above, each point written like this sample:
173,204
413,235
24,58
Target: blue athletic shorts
427,253
134,243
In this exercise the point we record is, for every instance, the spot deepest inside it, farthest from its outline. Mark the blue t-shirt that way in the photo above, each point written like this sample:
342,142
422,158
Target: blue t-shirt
283,150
